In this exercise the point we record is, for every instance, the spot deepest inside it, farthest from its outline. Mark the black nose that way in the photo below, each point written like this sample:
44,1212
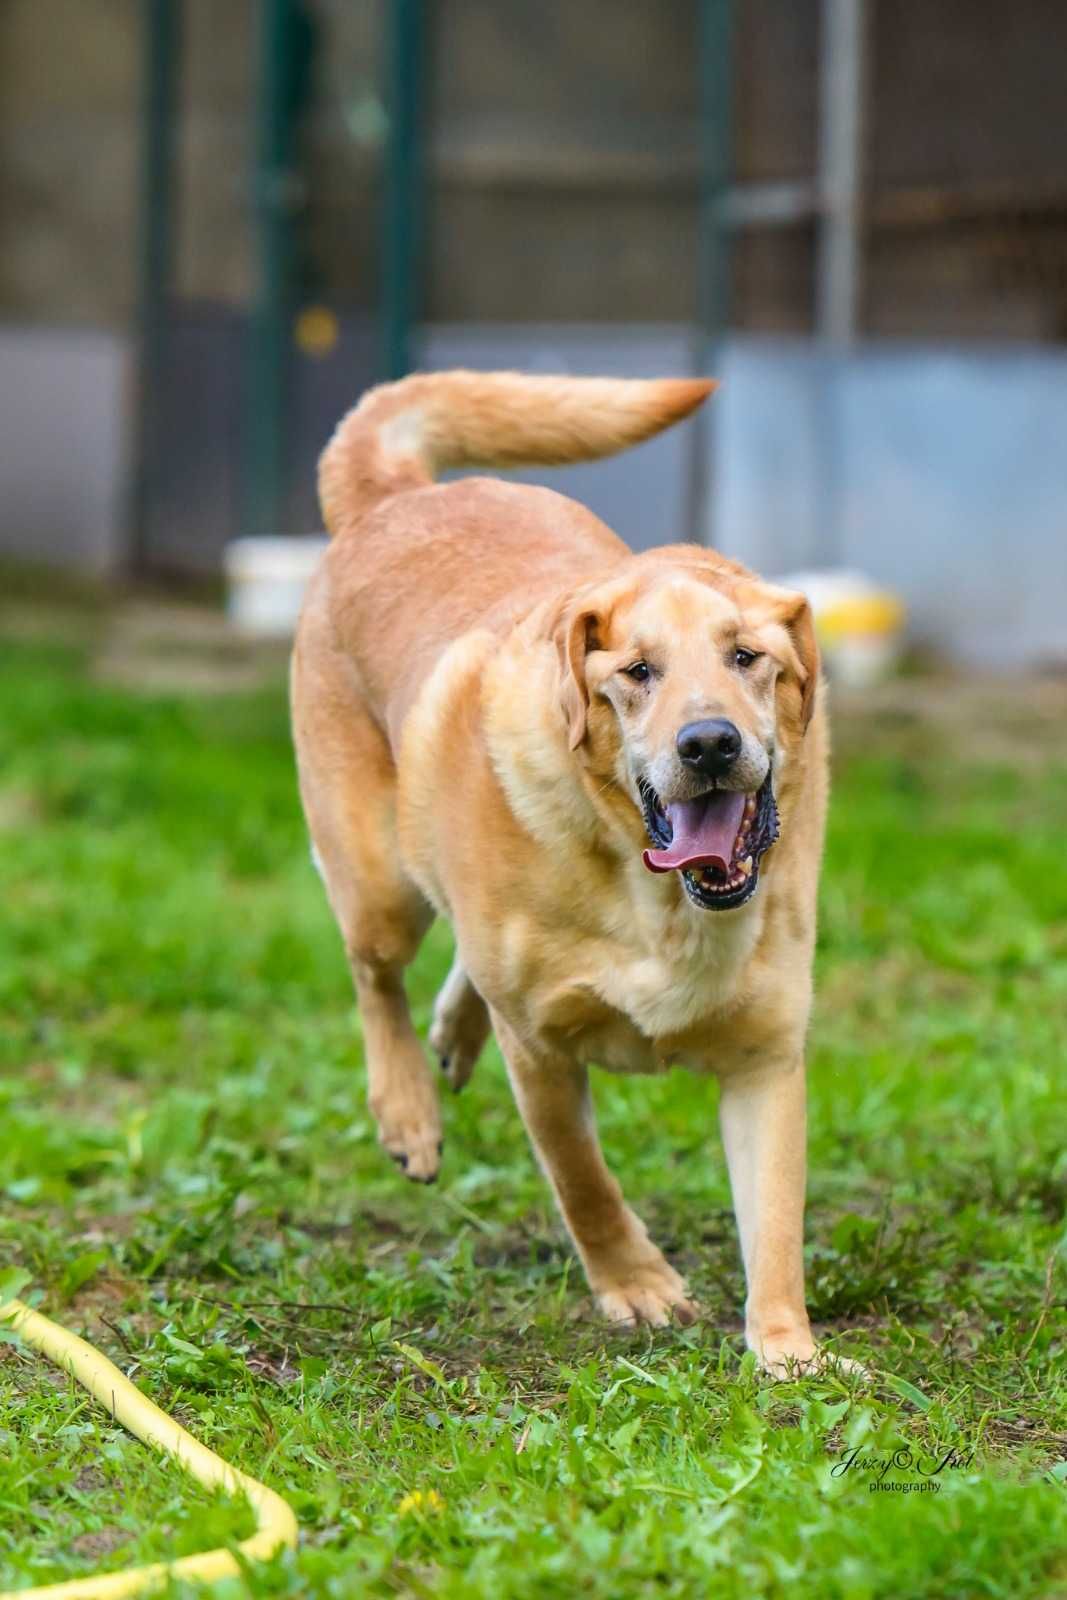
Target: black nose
709,747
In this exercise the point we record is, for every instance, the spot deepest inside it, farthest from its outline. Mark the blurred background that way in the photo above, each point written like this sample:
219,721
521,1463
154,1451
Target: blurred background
221,222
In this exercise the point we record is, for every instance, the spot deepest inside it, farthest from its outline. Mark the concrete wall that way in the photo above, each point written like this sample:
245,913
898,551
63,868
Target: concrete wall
64,442
941,473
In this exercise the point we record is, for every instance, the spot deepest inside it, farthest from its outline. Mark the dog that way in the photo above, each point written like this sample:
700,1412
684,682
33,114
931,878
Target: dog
607,770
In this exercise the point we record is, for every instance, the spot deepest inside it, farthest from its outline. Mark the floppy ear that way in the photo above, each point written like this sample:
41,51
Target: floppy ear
791,611
575,636
795,615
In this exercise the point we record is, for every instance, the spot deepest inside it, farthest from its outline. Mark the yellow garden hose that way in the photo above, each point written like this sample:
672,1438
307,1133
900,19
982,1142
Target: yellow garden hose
276,1526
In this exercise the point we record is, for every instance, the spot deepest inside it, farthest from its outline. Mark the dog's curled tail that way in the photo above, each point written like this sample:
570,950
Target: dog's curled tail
402,434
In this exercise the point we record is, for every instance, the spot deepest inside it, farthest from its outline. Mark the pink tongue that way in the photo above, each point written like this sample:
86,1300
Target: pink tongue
704,832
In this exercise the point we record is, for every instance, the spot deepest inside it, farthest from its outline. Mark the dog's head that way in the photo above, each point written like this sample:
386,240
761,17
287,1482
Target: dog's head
692,683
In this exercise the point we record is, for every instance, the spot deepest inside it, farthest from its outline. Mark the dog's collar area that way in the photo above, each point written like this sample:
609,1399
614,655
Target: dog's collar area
718,885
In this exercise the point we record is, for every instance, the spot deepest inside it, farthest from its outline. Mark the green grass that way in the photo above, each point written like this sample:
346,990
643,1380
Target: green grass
189,1176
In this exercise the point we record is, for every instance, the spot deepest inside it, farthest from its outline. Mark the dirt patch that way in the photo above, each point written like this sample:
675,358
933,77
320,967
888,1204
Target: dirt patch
984,720
157,648
100,1543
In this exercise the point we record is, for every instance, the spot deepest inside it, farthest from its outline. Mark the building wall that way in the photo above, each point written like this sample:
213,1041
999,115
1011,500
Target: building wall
939,472
68,98
64,447
562,159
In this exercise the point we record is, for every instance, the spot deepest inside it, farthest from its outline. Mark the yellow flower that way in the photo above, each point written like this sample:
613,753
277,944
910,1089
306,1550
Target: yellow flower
420,1501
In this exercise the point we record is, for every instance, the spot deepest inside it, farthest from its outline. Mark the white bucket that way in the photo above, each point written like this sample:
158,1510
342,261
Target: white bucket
265,582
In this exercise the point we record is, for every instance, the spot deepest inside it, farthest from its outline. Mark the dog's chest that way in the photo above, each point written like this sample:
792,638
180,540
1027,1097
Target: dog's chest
626,1001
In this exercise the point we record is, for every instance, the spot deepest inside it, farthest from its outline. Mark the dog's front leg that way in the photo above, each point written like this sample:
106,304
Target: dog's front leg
631,1279
763,1117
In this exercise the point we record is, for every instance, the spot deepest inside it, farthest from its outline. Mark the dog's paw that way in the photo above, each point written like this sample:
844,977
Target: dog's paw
411,1135
787,1359
418,1158
457,1036
654,1294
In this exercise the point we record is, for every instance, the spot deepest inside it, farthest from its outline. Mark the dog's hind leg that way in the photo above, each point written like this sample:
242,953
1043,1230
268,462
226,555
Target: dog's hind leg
460,1026
348,784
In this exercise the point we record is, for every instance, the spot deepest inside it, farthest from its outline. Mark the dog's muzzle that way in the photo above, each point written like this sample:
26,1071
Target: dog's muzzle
716,841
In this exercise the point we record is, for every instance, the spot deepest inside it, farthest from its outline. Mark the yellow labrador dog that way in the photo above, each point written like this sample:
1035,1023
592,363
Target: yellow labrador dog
609,771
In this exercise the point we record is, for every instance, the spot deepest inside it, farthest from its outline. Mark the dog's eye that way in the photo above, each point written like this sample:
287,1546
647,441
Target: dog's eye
639,672
745,658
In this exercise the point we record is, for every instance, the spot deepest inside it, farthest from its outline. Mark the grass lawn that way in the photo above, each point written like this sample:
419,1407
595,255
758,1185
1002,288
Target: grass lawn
189,1176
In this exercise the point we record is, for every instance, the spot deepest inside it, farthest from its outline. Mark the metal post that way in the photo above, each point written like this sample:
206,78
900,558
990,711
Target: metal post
842,73
715,65
161,48
403,197
274,199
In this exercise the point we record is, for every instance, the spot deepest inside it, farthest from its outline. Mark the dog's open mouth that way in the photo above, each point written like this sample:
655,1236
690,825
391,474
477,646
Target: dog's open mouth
715,841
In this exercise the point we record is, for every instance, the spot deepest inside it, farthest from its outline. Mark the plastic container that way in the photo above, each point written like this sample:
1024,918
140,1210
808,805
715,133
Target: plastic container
265,582
860,626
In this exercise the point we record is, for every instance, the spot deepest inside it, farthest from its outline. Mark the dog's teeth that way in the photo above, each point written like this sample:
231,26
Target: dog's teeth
745,867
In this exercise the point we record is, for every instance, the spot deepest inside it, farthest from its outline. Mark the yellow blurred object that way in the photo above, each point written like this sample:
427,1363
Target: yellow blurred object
422,1500
316,330
276,1526
860,625
862,613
